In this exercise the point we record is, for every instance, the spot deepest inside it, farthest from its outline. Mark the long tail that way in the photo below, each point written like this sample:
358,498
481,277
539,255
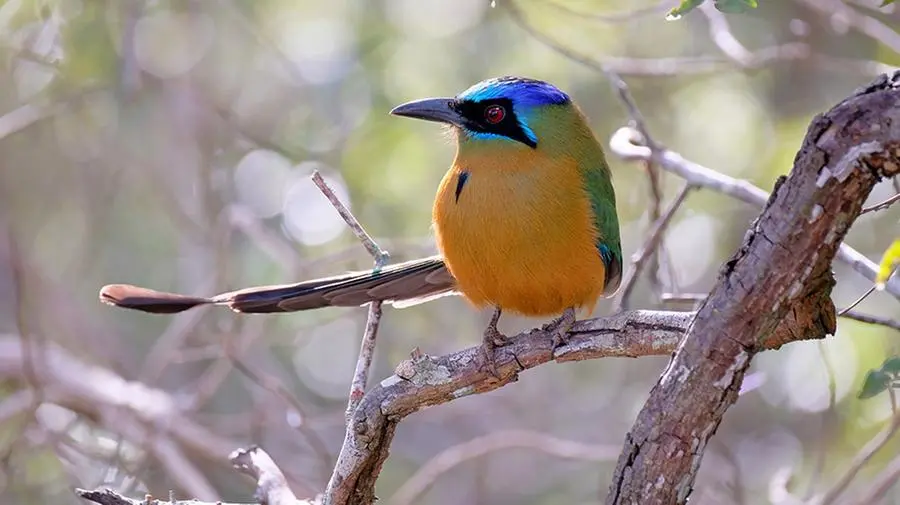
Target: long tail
402,283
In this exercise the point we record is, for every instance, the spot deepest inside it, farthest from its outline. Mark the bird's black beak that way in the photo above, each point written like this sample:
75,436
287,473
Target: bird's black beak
440,110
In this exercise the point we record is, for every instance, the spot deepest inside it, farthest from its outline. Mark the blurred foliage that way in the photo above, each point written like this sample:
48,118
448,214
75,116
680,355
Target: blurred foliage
889,262
729,6
880,379
168,143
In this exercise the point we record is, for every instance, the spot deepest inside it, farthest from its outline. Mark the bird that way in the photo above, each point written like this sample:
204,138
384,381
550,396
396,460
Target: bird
525,221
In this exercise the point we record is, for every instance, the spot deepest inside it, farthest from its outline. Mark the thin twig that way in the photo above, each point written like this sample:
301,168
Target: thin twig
364,362
857,302
639,258
881,206
683,297
656,197
272,487
862,457
696,298
278,389
32,356
870,319
373,319
627,143
828,420
637,118
381,256
881,484
614,17
721,35
867,25
663,67
411,491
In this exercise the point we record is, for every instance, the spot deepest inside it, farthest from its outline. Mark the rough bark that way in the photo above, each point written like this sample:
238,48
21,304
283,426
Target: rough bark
785,259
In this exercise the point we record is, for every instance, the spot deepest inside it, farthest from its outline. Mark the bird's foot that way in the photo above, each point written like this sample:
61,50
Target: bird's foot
560,327
491,340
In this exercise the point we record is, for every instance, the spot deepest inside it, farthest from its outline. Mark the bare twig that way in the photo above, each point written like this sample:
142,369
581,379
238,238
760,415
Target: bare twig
23,117
373,319
829,420
111,497
272,488
858,301
615,17
411,491
720,33
866,25
696,298
380,255
138,412
32,357
656,197
881,205
269,242
626,142
859,461
278,389
881,484
639,258
683,297
870,319
366,352
661,67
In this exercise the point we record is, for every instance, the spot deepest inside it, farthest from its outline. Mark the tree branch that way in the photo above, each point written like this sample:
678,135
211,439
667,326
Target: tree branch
786,257
373,319
272,488
627,143
131,409
426,381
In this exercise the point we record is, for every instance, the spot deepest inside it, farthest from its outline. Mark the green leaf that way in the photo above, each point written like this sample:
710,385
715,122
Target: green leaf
736,6
728,6
891,366
685,7
885,3
877,381
889,262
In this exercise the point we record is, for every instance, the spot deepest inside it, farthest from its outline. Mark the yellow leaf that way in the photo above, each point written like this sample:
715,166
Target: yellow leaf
889,262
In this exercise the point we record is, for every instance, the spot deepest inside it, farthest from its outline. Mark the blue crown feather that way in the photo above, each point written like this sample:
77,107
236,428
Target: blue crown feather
522,91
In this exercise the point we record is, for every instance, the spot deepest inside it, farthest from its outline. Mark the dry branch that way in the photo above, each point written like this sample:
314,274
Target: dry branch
426,381
373,319
786,257
132,409
628,144
272,488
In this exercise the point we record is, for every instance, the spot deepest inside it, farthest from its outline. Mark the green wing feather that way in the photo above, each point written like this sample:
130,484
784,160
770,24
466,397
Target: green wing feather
598,184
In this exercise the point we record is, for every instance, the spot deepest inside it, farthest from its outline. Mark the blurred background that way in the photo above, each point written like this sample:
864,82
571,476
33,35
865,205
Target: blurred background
169,144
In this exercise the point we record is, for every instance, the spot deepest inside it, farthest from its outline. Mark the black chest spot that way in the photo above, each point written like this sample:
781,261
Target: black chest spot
460,182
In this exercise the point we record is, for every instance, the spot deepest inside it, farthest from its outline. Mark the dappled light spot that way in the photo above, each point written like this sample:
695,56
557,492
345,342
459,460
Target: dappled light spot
327,356
169,44
440,19
309,217
261,181
321,49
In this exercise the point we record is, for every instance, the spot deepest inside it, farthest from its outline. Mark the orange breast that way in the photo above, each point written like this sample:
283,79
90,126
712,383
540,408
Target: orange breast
520,236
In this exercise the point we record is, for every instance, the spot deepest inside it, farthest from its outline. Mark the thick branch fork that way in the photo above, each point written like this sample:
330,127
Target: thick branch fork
425,381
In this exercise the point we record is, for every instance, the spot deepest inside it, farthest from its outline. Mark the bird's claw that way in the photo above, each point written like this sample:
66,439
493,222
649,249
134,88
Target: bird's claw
492,339
559,327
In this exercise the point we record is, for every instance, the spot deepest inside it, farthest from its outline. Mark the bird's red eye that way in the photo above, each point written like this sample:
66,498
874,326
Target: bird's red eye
494,114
